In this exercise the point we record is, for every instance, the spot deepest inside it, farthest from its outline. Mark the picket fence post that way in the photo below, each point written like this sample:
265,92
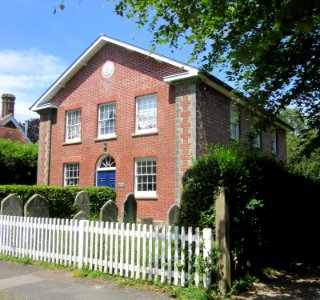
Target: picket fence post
81,231
171,255
207,249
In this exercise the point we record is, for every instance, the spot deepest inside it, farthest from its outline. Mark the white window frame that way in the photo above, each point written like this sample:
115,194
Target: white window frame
148,114
111,110
150,176
234,123
73,126
274,141
71,174
257,140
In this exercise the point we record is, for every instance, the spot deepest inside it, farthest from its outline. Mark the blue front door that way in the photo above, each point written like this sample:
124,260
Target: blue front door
106,178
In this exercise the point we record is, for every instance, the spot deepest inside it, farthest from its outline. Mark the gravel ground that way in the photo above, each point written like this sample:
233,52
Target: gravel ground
298,281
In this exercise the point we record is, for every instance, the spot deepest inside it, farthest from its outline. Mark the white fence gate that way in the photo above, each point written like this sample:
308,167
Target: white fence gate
168,254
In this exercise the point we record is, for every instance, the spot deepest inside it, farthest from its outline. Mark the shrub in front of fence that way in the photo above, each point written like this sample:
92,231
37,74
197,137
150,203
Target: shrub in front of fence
61,199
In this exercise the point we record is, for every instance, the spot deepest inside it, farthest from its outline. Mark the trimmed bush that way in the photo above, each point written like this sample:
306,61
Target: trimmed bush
18,162
270,208
61,199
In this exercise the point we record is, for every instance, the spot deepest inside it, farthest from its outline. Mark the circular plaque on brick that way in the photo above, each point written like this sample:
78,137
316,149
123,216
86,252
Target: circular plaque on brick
107,69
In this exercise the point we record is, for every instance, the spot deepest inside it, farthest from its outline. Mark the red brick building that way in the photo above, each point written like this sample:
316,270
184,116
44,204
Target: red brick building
133,120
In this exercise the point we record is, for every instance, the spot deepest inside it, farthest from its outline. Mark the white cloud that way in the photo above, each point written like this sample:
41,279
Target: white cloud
27,74
31,61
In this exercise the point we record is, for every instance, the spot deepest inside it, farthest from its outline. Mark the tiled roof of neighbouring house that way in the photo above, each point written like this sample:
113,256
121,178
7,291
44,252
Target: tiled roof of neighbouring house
13,134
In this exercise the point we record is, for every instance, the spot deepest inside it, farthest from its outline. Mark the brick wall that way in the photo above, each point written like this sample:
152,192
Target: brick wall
189,117
134,75
213,123
213,118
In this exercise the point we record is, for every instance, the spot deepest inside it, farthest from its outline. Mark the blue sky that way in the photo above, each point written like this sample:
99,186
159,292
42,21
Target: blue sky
36,46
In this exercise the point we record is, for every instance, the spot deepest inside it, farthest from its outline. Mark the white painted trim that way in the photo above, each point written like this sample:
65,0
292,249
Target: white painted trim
146,195
10,118
177,77
105,169
234,123
45,106
157,57
108,135
143,194
274,141
67,125
88,54
148,130
65,178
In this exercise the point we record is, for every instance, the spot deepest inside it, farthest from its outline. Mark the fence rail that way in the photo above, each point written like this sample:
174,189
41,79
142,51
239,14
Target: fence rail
173,255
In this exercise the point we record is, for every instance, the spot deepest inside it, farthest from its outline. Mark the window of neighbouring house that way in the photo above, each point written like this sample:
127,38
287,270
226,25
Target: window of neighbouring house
73,125
71,174
146,113
107,120
145,177
274,142
234,124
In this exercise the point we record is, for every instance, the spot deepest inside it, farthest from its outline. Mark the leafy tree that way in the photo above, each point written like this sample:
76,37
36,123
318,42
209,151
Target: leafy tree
18,162
303,157
271,48
33,128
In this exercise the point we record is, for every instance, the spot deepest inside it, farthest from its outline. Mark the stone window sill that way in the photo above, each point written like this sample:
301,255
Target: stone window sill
146,197
137,134
72,143
107,138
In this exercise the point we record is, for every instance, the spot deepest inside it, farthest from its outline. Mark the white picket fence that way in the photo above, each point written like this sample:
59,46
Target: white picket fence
172,255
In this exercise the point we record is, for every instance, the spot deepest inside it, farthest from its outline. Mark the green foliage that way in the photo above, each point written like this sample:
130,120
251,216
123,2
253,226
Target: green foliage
242,284
190,293
269,48
177,292
303,150
61,199
234,167
269,206
33,128
18,163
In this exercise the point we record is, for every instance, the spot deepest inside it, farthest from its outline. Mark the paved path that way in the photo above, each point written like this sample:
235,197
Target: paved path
22,282
299,281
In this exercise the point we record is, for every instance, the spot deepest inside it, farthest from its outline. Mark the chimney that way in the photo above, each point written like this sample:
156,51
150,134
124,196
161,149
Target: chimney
7,105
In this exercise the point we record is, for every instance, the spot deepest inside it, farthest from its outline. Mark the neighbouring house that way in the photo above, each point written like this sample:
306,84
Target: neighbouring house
9,127
132,120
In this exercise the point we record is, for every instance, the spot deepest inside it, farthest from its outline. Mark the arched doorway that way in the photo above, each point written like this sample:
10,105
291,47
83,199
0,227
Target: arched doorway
106,172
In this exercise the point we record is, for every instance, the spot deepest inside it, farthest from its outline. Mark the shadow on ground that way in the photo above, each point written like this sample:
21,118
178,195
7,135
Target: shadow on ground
297,281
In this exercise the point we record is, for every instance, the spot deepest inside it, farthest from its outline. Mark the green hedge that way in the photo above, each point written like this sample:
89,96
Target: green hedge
274,214
18,162
61,199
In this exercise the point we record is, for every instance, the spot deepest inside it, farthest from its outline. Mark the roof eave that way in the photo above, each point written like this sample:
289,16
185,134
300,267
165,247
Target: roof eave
222,88
45,107
181,76
83,59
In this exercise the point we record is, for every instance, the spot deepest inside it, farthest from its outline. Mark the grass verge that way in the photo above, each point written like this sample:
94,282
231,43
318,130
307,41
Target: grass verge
174,292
